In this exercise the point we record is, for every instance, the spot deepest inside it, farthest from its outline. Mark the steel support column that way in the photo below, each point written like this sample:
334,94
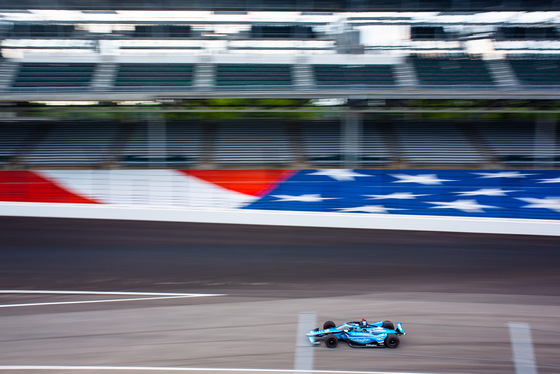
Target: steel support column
544,146
351,139
157,141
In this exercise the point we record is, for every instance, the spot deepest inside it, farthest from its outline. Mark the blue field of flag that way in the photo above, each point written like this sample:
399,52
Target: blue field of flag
472,193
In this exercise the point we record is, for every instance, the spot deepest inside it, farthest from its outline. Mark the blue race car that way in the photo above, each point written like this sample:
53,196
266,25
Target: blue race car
358,334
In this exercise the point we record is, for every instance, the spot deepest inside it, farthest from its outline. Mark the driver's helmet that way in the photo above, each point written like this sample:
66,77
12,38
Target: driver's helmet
363,323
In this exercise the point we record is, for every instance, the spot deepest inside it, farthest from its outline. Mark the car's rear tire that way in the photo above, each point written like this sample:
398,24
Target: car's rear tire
388,325
331,341
328,325
392,341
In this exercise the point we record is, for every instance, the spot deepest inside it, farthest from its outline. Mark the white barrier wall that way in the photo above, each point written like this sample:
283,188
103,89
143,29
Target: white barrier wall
459,201
276,218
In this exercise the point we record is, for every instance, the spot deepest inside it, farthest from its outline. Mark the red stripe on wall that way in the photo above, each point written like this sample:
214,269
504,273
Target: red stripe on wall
254,182
27,186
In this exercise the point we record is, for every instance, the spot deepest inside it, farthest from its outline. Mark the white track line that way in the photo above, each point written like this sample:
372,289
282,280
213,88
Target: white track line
147,368
303,361
93,301
107,293
154,296
522,347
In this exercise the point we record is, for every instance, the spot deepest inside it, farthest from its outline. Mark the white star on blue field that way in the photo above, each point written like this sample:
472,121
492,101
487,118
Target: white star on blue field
470,193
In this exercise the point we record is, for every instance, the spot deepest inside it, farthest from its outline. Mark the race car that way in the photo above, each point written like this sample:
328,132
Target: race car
358,334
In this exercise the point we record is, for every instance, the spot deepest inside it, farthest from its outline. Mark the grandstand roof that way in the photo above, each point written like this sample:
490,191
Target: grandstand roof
287,5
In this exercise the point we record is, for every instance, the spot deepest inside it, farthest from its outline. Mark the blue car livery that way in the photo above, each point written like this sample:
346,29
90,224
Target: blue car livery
358,334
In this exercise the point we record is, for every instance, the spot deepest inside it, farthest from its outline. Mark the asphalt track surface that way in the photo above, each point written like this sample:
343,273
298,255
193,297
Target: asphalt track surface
454,293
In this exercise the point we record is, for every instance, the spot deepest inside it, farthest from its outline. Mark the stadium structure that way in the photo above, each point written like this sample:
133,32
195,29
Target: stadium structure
223,84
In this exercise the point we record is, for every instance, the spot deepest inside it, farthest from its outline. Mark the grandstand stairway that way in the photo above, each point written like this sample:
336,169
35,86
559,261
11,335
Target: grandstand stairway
293,132
405,76
104,76
322,143
34,138
204,75
479,143
375,150
208,143
184,141
501,73
8,71
303,76
15,140
118,145
394,150
546,141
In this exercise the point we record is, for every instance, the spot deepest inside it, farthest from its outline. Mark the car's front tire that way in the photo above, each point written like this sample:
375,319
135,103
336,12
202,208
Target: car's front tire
331,341
392,341
328,325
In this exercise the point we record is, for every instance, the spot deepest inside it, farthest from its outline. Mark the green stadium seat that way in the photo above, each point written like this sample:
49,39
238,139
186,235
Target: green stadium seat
537,72
451,71
70,76
154,76
344,75
253,75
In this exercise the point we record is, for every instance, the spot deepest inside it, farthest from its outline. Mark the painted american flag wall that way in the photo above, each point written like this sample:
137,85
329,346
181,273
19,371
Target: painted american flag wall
533,194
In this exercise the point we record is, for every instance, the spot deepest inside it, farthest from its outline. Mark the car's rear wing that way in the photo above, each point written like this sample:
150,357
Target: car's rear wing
399,329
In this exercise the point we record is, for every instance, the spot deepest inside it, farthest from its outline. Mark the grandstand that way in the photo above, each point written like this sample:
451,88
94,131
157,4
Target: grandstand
374,65
119,55
275,143
459,77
